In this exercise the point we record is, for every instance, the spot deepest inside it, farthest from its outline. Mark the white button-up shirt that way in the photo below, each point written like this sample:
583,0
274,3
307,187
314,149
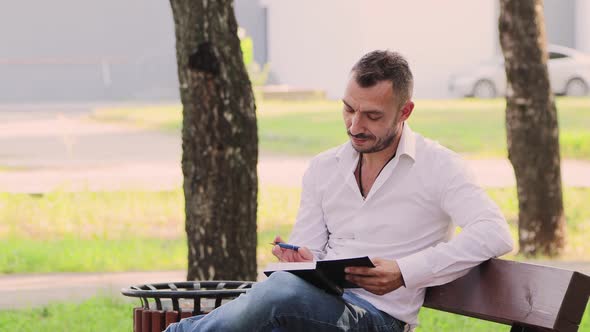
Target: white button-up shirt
409,215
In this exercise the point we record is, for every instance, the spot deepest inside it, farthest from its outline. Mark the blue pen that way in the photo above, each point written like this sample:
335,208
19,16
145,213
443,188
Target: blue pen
286,246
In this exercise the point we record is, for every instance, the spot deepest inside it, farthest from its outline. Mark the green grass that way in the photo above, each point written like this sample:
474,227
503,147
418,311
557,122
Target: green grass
90,255
109,231
468,126
166,118
92,215
65,238
96,314
107,314
432,320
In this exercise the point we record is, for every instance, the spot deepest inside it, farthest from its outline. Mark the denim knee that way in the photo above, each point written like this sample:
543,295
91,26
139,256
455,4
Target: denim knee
285,293
285,279
282,286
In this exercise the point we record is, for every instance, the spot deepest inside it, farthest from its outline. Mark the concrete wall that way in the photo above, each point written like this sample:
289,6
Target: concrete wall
437,37
560,21
582,33
314,43
93,50
68,49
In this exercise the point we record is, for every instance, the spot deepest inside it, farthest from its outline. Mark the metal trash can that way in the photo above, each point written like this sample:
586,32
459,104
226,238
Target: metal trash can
165,303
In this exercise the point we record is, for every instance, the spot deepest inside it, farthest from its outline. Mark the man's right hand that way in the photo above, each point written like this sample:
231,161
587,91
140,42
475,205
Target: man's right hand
288,255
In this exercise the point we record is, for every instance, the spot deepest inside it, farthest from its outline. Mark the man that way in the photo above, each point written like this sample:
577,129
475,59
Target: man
389,194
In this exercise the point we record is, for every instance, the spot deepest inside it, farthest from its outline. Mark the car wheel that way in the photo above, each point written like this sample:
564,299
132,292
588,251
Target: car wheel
484,89
576,87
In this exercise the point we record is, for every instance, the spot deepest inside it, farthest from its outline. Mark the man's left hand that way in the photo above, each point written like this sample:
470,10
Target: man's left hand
385,277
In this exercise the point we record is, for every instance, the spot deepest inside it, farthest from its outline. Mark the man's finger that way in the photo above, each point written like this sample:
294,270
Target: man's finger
378,261
283,254
365,281
278,239
288,255
362,271
374,285
276,250
305,254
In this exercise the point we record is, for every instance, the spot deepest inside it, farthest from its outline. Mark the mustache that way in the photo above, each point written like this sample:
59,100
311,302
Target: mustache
359,136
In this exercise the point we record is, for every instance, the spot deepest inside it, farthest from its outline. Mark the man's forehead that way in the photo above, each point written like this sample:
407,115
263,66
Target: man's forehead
376,96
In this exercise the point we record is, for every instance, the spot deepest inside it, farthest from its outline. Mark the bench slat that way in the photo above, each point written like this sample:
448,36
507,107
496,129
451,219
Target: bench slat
516,293
575,302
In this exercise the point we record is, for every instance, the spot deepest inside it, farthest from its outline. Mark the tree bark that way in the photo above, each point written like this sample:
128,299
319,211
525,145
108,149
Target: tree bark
219,142
531,128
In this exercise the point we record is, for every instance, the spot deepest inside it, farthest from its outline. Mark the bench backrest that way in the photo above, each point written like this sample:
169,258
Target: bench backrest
538,298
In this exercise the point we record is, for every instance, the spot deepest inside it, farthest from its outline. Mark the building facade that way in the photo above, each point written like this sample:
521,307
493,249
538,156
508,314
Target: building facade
80,50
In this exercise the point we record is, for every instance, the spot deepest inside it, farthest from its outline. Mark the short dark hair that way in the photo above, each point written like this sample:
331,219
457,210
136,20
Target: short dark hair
378,66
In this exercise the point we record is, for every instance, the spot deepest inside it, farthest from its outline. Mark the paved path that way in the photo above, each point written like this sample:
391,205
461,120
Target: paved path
43,151
272,170
34,290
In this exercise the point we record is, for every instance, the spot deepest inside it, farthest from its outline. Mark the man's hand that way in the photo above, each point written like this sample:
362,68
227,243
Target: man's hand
385,277
288,255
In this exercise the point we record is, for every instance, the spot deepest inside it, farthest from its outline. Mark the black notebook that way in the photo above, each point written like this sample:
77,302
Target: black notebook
325,274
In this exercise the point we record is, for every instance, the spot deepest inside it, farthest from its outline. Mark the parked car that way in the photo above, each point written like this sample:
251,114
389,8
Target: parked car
569,74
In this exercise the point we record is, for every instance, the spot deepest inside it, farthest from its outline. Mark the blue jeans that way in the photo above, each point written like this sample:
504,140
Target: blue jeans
284,302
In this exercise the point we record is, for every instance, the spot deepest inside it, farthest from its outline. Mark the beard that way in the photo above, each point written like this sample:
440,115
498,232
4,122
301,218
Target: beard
381,143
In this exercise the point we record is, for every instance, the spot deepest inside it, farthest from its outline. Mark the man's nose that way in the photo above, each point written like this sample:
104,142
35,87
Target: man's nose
356,124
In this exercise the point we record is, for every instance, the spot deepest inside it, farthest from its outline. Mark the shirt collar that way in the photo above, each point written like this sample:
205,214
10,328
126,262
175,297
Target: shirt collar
348,157
407,143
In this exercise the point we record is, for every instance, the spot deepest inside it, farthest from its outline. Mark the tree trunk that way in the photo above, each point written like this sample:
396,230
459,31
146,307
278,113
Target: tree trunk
531,128
219,142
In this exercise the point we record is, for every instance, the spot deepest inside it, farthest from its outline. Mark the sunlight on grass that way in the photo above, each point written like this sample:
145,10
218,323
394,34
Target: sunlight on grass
433,320
56,232
161,117
92,215
97,314
469,126
103,313
108,231
4,168
92,255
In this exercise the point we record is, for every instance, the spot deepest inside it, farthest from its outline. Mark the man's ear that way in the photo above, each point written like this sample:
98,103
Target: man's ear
407,110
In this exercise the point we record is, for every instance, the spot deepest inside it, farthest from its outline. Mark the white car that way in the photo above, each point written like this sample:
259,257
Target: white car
569,74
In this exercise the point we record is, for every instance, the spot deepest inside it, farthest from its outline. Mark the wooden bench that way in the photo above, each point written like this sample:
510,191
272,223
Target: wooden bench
530,298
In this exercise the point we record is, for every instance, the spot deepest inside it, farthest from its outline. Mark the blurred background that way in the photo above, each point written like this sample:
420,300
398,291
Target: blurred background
111,51
90,182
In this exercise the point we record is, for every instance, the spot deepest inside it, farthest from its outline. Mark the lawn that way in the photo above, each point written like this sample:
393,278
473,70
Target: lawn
107,314
108,231
468,126
97,314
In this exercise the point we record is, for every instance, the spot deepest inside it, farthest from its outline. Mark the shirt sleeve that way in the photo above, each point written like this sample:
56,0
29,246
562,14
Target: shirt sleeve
310,227
484,232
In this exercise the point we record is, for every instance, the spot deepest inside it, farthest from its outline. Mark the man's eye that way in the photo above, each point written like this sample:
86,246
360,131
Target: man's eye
349,110
374,117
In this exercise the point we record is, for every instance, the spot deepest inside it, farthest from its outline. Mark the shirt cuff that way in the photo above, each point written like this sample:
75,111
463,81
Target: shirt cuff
415,270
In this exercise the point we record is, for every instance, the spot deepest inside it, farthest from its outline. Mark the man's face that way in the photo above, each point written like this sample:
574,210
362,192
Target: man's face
372,116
